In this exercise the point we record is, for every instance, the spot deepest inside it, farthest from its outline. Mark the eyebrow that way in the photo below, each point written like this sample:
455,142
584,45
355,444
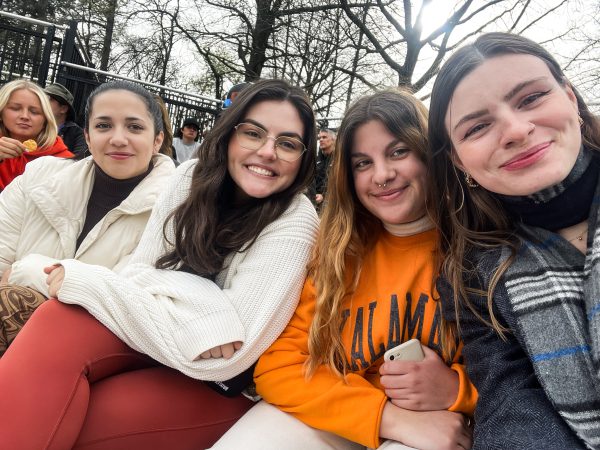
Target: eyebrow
129,119
387,147
260,125
514,91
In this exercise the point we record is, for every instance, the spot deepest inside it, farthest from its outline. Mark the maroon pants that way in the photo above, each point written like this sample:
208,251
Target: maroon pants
68,382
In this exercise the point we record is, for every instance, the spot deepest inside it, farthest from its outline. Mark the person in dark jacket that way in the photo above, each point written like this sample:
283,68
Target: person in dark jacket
61,101
326,146
515,192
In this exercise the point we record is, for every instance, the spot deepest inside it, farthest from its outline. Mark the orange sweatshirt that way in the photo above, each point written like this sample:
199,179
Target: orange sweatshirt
391,305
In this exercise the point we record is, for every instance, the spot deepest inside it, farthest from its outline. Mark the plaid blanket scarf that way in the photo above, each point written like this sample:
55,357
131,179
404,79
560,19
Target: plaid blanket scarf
554,291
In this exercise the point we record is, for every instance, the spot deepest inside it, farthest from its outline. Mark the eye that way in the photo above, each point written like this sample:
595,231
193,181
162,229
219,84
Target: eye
102,126
475,129
530,99
361,164
290,145
251,132
399,152
35,111
136,127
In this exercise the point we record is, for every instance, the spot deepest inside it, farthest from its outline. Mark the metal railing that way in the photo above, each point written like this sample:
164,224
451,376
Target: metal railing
45,53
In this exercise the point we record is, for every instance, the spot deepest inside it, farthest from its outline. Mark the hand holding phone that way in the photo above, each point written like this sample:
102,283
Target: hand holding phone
420,384
407,351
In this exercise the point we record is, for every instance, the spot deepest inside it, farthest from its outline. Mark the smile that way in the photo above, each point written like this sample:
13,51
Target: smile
528,157
261,171
390,194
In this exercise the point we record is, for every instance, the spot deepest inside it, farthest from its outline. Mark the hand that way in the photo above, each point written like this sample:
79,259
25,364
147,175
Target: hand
10,148
318,198
426,385
222,351
5,276
56,276
426,430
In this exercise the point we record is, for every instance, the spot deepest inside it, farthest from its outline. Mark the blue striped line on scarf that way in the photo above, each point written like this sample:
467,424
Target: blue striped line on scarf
562,352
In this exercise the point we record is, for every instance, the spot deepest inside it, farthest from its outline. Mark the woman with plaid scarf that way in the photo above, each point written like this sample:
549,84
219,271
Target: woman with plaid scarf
515,193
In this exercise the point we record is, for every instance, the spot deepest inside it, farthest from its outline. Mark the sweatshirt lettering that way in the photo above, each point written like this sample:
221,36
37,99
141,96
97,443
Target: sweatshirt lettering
401,328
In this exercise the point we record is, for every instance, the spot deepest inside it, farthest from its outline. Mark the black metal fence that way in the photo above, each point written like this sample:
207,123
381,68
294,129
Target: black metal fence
47,53
30,48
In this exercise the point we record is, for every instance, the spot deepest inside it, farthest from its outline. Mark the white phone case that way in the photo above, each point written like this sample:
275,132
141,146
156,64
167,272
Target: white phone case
407,351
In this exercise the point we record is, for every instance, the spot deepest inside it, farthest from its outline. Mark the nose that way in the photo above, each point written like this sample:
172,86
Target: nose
516,128
24,114
383,173
118,137
267,150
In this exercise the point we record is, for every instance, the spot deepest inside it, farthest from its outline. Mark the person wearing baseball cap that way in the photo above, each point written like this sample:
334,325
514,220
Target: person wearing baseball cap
61,101
185,143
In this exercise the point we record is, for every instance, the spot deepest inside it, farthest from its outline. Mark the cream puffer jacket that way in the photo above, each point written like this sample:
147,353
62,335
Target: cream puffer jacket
43,211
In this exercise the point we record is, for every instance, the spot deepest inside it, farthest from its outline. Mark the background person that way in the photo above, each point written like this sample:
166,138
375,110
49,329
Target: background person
185,143
367,293
515,191
61,102
92,210
213,282
25,114
324,160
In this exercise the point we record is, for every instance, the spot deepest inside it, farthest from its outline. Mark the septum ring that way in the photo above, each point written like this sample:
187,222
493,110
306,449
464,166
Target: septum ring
382,185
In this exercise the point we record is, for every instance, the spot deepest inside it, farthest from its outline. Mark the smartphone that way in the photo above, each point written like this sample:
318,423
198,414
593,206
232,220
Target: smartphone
407,351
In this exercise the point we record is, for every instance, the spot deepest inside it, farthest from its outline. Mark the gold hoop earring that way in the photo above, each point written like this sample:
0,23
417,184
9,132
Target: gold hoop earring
470,181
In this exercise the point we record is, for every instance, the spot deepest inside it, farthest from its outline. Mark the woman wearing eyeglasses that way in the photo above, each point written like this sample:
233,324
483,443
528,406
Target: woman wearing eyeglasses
214,281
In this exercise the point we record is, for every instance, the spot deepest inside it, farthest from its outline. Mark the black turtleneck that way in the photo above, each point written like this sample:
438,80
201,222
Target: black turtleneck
107,194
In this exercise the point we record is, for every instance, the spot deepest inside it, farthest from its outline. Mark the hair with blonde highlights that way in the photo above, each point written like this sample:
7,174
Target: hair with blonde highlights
347,224
473,219
47,136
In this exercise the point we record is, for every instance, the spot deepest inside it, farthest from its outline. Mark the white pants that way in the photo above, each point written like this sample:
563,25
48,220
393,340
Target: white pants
265,427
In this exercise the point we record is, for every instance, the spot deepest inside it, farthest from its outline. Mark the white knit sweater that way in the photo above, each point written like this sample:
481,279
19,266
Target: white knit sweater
174,316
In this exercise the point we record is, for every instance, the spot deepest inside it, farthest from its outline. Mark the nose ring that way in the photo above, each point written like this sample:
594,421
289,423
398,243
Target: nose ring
382,185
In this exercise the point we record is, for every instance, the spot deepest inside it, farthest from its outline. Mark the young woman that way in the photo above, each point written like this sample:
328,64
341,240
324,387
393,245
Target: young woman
213,282
93,210
26,115
368,292
515,187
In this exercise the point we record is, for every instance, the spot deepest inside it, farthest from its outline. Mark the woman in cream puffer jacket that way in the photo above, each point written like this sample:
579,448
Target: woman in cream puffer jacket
93,210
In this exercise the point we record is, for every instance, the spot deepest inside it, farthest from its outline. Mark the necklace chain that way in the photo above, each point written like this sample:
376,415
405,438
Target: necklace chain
579,237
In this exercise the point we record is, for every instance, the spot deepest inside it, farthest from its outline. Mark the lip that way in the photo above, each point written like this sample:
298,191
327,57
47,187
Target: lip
527,158
263,167
390,194
119,155
24,125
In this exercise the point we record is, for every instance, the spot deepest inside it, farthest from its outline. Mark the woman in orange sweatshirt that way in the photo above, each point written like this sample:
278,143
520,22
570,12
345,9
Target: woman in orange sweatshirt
370,288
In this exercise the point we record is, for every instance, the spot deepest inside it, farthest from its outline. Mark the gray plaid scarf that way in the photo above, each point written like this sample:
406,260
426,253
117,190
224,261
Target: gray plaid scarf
554,291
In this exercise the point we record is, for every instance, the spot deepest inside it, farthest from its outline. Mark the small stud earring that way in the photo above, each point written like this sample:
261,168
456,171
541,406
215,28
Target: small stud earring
470,181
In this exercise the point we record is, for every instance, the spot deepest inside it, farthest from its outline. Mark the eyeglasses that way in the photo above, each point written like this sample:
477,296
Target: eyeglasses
253,137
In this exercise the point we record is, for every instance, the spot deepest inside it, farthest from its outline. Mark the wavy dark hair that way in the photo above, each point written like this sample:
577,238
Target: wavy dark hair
209,225
474,219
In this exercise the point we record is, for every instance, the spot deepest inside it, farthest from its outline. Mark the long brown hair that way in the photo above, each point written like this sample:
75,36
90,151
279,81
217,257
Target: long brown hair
208,225
474,219
347,224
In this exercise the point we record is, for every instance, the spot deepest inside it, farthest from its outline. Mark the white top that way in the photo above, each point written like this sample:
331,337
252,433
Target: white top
184,151
174,316
42,213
